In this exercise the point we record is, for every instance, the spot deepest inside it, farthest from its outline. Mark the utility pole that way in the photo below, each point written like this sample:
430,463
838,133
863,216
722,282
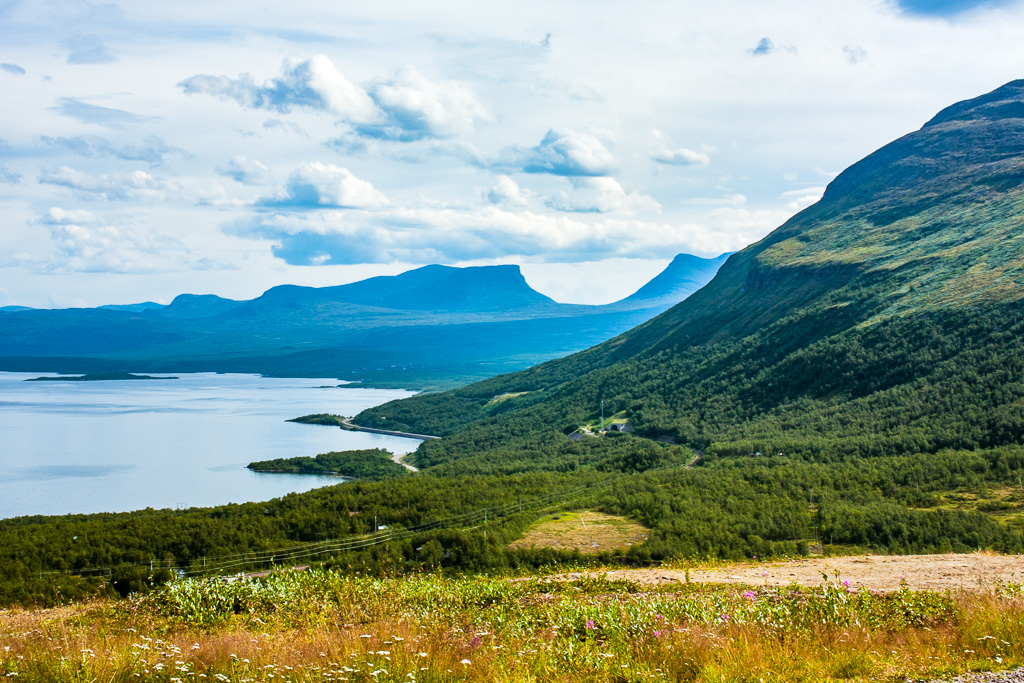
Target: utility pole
602,414
814,521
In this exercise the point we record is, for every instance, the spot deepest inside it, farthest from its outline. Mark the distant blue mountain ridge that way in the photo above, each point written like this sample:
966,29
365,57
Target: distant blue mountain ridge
431,326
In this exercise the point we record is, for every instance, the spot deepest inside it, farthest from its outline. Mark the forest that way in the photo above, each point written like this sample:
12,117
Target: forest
727,508
368,463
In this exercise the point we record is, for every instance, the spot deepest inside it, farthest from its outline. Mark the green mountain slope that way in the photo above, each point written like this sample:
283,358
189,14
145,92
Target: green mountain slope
884,319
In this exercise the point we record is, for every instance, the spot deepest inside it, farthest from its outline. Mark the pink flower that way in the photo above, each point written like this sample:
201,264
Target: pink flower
590,624
657,634
475,643
750,595
846,583
658,617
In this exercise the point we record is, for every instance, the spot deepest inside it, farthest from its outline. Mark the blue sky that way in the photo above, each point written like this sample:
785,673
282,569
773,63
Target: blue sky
150,149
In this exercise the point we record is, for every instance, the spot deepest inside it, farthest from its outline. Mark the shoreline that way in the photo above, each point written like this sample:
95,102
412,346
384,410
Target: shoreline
347,425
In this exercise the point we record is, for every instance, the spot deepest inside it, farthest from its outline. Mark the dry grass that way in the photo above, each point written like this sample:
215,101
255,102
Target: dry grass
588,532
321,627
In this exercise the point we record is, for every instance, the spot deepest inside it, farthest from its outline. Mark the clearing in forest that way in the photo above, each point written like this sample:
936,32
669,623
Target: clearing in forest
586,531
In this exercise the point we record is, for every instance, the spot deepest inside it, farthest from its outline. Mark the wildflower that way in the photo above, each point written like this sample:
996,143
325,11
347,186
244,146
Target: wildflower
475,643
846,582
590,624
658,617
465,661
657,634
749,595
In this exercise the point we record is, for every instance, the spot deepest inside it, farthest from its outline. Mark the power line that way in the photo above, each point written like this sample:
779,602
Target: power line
238,561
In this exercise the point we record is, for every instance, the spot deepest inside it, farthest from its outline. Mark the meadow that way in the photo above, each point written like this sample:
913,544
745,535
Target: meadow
321,625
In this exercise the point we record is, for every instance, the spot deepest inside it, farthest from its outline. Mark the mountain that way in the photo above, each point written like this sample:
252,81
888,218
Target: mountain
430,288
429,327
144,306
198,306
885,319
683,276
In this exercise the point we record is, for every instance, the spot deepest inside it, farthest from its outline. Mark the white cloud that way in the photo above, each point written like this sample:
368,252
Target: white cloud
84,242
673,155
680,156
506,192
601,195
404,108
737,227
798,200
562,152
120,186
314,83
244,170
416,108
152,150
315,185
449,235
767,116
138,186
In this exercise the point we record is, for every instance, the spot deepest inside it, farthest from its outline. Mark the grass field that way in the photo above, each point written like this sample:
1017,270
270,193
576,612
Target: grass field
586,531
319,626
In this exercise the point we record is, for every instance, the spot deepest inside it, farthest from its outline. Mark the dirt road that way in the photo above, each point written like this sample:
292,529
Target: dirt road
974,571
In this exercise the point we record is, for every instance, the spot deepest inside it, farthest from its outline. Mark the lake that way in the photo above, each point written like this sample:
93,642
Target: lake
112,446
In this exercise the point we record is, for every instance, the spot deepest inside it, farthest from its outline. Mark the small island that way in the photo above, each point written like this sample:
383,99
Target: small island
370,463
95,377
320,419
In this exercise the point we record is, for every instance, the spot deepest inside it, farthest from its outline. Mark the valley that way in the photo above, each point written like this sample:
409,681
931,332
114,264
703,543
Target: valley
843,400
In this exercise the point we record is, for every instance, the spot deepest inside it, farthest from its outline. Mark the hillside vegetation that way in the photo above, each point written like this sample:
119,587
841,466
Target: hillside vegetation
885,319
368,463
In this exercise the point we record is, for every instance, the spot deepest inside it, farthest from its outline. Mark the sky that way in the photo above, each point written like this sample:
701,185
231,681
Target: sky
152,149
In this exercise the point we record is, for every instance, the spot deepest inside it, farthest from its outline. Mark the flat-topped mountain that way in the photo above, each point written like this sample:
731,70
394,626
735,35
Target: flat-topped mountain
430,288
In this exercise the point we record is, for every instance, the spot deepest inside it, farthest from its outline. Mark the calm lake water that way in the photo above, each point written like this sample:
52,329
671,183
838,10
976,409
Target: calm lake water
111,446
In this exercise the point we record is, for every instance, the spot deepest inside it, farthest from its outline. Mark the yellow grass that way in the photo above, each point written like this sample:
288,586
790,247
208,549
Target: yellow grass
586,531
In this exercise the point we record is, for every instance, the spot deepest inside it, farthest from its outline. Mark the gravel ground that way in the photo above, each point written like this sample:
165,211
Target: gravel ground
971,571
1011,676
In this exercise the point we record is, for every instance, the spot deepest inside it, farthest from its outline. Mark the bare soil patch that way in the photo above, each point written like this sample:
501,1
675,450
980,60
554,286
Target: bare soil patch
588,532
975,571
